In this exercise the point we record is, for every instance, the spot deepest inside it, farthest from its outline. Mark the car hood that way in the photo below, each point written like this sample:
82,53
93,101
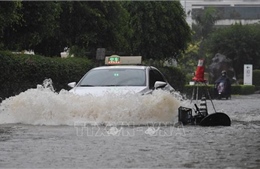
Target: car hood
99,91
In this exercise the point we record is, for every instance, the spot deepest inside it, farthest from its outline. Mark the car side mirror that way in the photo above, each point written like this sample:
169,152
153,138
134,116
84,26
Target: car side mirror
159,84
72,84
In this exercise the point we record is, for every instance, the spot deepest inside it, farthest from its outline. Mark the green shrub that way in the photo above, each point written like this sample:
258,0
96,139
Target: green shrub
257,88
20,72
235,89
247,89
242,89
256,77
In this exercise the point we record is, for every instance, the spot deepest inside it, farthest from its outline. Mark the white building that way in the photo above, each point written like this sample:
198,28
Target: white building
232,11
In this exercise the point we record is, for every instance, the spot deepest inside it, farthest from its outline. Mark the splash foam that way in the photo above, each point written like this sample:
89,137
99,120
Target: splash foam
43,106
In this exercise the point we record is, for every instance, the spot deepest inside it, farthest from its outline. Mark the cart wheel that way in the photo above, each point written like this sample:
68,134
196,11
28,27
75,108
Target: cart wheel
216,119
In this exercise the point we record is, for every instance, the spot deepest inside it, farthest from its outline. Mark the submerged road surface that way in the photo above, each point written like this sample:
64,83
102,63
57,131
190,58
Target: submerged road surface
41,134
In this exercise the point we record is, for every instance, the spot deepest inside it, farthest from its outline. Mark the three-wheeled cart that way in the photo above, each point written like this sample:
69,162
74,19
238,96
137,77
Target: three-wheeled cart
200,115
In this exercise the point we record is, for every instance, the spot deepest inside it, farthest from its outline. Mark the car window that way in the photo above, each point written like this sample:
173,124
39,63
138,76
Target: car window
114,77
154,75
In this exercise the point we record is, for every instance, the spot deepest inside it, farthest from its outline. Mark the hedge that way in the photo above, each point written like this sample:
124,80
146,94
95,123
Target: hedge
20,72
256,79
245,89
203,90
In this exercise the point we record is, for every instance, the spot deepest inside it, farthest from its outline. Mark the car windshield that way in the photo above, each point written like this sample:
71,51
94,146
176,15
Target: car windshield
114,77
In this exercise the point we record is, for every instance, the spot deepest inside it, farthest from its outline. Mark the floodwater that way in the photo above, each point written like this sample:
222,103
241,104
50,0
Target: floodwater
43,129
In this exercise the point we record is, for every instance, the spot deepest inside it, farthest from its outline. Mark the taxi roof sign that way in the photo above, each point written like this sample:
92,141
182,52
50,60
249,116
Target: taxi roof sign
123,60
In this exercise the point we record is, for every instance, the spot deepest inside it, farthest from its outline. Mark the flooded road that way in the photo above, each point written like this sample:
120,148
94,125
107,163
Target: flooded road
41,129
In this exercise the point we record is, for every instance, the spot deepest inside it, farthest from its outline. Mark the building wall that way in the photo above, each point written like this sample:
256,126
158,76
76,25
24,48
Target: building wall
232,11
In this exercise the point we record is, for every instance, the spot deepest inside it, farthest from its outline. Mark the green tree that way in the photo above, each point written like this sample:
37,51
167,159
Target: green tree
241,43
204,22
9,14
204,25
38,22
188,60
151,29
159,28
90,25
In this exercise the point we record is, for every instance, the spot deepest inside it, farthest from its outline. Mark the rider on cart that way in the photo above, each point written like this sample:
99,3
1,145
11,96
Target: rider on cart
223,86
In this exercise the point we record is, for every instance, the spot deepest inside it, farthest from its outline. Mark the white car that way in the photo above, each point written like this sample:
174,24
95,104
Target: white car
120,78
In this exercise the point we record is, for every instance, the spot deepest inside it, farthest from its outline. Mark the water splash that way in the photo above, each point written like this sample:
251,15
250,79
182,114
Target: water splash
44,106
